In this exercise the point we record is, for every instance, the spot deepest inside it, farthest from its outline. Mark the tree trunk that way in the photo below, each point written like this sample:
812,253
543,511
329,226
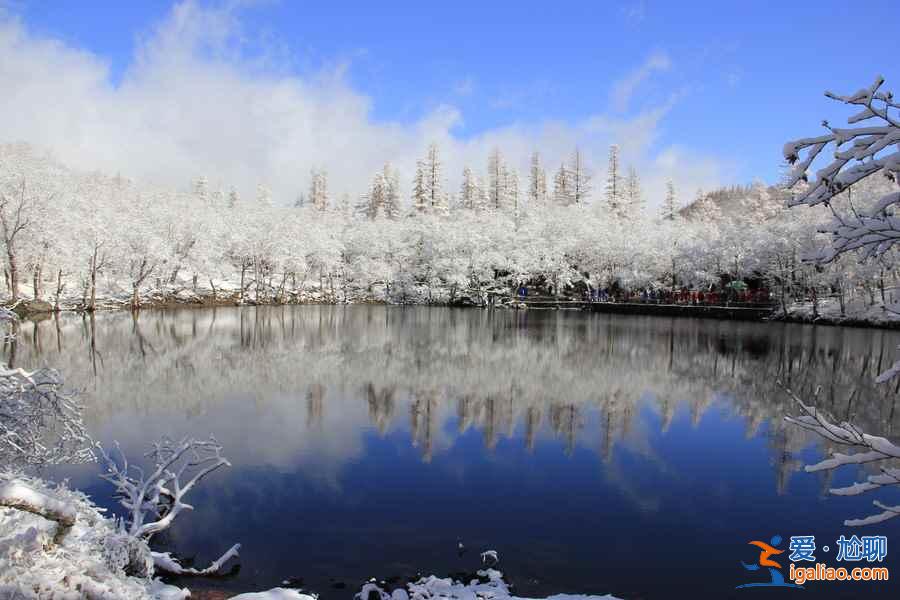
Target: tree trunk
243,279
36,281
841,300
13,273
59,290
93,301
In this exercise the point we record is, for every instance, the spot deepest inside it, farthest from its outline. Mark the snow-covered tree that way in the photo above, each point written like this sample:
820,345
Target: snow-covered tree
264,196
234,198
634,201
615,190
562,187
580,178
470,193
537,182
858,153
318,189
391,192
498,192
155,497
670,204
201,188
421,197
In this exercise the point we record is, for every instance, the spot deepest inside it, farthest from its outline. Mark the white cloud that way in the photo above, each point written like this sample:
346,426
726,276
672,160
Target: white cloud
191,102
624,89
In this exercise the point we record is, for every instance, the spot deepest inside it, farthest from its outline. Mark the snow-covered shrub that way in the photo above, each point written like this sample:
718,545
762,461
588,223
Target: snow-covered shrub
153,500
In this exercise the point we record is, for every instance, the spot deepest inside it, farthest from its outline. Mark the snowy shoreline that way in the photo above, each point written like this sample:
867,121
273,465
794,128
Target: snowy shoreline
856,315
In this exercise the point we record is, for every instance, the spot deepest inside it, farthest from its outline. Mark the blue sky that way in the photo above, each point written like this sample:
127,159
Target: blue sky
733,80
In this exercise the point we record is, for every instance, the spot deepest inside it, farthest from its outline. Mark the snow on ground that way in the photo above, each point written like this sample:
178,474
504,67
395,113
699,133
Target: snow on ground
86,563
489,586
857,310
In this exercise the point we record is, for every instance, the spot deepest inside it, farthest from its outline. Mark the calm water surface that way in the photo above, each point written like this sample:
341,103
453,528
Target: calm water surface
597,453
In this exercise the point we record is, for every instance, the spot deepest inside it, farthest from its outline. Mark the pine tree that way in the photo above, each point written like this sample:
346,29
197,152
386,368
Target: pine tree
428,184
437,199
512,192
469,191
537,182
372,202
318,189
580,177
614,187
670,206
633,199
233,198
562,186
391,181
420,189
498,179
264,196
201,188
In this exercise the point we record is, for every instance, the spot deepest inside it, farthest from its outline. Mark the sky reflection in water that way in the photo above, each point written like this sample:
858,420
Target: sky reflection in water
596,453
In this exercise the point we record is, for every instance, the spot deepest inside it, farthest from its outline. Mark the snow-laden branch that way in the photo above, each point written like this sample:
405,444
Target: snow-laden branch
153,501
164,561
871,449
858,153
16,494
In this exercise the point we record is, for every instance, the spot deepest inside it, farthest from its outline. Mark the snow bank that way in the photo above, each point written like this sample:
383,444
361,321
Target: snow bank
86,563
489,586
856,311
275,594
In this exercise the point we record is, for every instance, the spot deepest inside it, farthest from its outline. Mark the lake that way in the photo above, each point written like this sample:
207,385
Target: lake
636,456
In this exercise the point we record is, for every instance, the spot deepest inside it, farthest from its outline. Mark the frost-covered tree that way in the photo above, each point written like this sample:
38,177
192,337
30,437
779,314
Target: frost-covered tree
234,198
201,188
537,181
858,153
670,204
634,201
373,202
580,178
615,192
318,189
470,193
153,498
420,193
512,192
25,181
562,187
264,196
391,193
498,193
434,180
